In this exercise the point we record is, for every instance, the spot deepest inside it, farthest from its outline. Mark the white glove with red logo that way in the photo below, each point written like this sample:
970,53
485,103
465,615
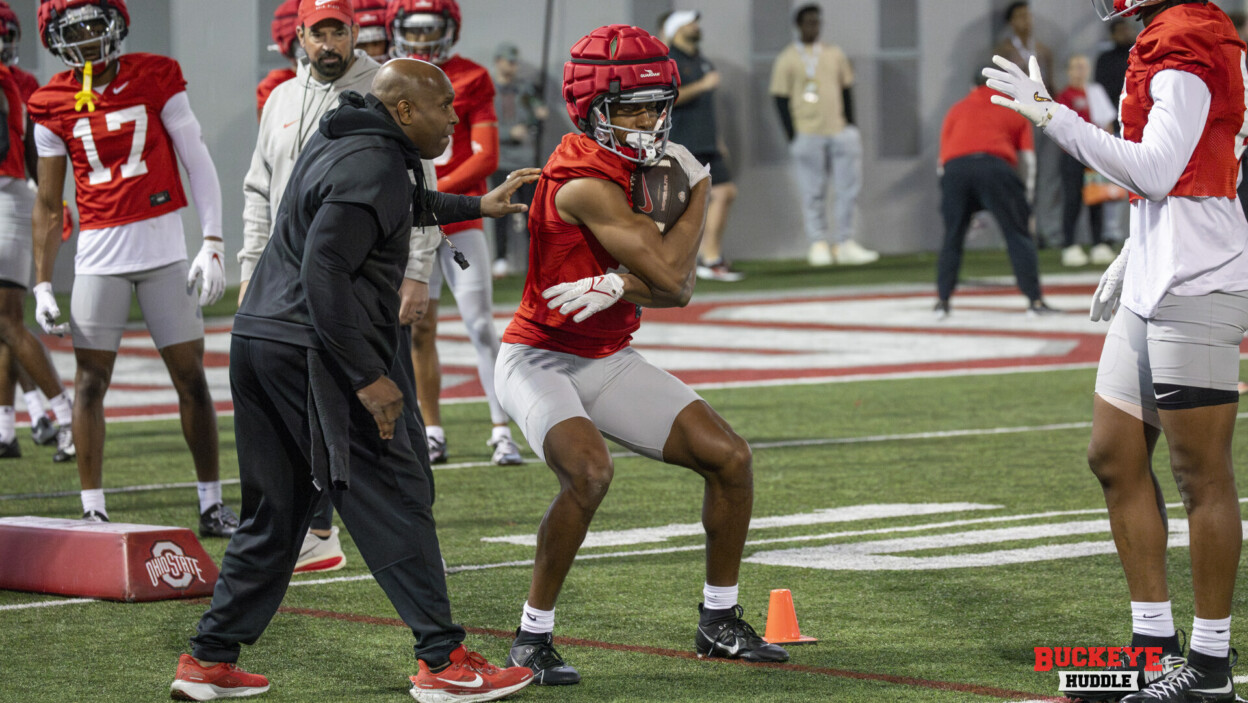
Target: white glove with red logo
209,263
694,170
1105,299
1030,98
46,310
589,295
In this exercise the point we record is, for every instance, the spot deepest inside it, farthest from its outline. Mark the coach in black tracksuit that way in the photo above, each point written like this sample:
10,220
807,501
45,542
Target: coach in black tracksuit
313,352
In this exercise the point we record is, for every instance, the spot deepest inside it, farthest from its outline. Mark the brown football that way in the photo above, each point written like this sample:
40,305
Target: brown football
661,191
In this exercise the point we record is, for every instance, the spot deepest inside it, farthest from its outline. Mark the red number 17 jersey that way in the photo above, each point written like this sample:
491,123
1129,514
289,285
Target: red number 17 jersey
125,167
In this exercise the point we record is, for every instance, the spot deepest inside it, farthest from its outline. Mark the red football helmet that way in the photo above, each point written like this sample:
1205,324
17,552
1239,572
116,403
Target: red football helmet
82,31
423,17
282,28
10,34
1109,9
621,65
370,15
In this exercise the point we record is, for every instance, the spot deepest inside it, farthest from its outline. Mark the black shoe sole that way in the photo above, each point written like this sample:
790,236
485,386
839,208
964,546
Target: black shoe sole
61,457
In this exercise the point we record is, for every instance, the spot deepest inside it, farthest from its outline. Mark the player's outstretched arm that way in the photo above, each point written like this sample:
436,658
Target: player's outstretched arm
663,263
47,223
188,140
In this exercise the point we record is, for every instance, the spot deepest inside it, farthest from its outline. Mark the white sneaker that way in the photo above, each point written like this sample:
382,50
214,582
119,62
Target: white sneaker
820,254
1102,255
500,268
1073,256
851,253
506,453
320,554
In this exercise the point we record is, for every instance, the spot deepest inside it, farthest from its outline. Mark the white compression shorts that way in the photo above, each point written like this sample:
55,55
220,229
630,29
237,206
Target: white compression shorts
629,400
1192,342
16,257
99,306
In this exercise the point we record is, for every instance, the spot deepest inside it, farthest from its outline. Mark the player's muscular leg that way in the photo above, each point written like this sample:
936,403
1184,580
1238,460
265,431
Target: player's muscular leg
425,360
8,375
1120,455
703,441
579,457
1200,457
95,372
27,350
185,362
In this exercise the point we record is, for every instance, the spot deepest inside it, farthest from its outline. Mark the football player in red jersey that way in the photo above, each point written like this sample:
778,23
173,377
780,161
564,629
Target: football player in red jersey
370,15
123,122
566,370
1171,357
282,28
427,30
19,349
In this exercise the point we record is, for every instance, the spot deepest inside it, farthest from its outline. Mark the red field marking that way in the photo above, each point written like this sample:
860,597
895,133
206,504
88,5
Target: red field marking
972,689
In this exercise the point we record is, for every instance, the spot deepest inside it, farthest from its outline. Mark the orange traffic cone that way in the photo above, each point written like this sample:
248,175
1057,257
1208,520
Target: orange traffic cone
782,620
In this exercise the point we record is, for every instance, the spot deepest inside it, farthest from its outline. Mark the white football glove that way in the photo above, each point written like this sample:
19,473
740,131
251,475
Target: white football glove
589,295
46,310
209,263
695,170
1030,98
1105,299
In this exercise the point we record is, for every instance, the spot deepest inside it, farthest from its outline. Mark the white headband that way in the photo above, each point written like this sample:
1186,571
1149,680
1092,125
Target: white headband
679,19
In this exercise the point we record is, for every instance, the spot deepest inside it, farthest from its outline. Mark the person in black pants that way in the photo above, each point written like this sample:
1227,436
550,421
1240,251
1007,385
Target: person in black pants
315,347
981,146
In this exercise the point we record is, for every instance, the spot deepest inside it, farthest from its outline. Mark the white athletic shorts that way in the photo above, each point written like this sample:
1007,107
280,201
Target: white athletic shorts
16,257
629,400
99,306
1191,342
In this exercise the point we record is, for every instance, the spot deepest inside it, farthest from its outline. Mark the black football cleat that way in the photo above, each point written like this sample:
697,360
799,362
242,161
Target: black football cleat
1171,660
541,658
65,450
44,431
10,450
218,521
94,516
733,638
1203,679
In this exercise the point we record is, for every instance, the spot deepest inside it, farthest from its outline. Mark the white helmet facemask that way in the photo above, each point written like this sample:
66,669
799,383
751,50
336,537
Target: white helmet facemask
103,31
434,50
642,146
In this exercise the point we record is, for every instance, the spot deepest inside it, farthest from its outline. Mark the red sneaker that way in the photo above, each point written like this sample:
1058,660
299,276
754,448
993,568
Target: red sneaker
468,679
206,683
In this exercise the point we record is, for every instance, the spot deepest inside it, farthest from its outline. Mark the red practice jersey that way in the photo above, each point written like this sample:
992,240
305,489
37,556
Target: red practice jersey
125,167
275,78
26,82
1201,40
14,163
560,252
474,105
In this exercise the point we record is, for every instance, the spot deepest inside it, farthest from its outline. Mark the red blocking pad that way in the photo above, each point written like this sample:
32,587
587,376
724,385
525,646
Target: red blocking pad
110,560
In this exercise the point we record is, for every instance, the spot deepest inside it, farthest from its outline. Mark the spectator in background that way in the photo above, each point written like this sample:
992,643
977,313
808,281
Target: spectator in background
811,83
370,15
518,103
282,29
1092,104
694,127
983,150
1111,65
1020,45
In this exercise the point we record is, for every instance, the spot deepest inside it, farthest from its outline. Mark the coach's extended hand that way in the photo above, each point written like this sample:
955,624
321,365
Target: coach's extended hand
497,202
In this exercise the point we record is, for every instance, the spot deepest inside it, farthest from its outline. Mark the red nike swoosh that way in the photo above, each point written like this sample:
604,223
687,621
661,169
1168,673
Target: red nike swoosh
289,124
648,206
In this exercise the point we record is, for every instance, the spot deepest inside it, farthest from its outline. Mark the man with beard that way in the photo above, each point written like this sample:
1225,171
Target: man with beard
328,34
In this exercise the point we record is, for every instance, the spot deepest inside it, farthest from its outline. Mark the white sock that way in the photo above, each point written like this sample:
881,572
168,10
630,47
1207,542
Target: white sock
435,432
34,405
1152,619
719,597
537,621
500,431
1212,637
63,410
209,494
93,499
8,423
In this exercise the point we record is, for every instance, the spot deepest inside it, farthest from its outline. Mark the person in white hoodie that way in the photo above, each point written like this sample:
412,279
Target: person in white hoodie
328,33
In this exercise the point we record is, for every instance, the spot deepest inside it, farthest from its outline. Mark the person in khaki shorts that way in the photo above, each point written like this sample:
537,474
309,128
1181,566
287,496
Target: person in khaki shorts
811,83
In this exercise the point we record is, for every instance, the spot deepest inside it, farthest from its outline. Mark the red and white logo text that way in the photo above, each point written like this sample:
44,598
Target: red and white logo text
171,565
1113,668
